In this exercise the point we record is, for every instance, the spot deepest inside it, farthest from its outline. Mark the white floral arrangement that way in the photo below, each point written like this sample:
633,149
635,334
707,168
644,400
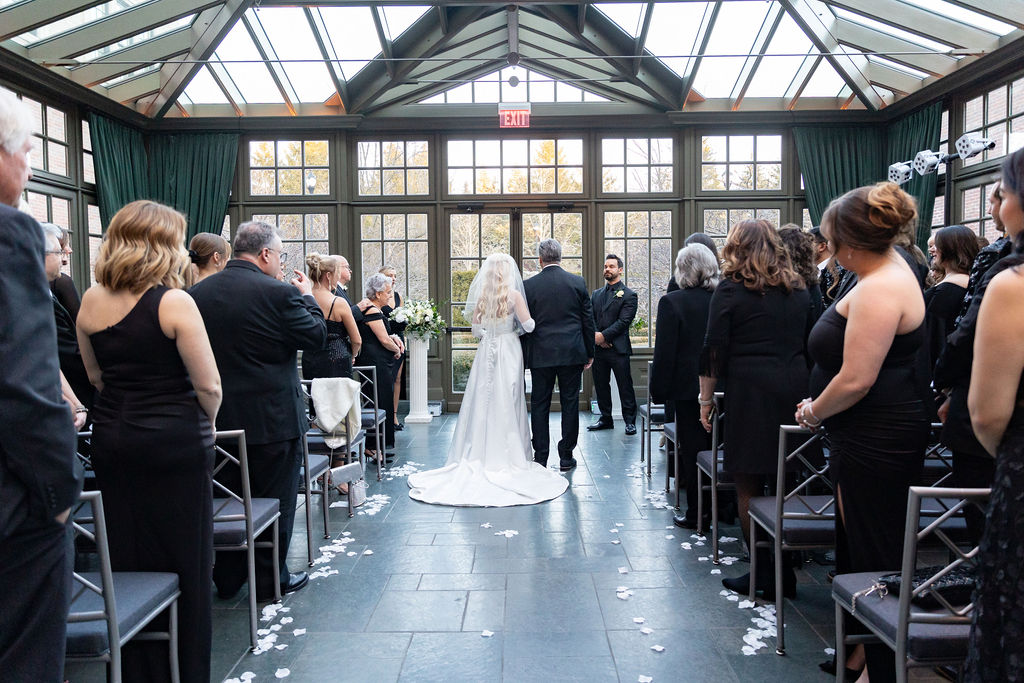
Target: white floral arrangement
422,318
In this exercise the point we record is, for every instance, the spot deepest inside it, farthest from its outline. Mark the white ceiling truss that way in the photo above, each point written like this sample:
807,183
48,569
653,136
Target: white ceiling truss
272,57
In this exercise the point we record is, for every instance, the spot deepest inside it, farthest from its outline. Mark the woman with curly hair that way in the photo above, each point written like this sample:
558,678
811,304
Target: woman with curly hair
800,247
865,386
755,346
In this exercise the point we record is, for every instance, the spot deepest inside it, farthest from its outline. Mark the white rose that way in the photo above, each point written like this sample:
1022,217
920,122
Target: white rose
429,315
401,317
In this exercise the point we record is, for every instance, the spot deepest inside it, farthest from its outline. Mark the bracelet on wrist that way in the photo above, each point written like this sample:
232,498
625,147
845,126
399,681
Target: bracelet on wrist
807,410
705,402
81,409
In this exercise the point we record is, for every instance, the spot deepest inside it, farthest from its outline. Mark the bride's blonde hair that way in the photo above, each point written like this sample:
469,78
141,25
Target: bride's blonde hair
494,297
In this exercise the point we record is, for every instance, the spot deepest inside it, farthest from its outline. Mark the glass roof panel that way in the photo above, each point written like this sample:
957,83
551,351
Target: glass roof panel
962,14
675,29
245,66
292,39
136,39
775,74
891,30
398,18
134,74
77,20
734,32
351,37
825,82
533,86
903,68
203,89
629,16
4,4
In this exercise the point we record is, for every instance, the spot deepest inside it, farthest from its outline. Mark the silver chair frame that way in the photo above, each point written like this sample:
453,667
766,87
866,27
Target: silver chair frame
717,423
368,374
647,425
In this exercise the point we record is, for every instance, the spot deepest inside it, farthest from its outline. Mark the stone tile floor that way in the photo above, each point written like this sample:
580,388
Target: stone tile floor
416,588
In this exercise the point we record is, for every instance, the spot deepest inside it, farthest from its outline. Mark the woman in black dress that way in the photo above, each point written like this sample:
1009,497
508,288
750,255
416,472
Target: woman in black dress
996,402
800,247
397,328
682,324
343,339
865,350
757,329
380,349
146,350
955,250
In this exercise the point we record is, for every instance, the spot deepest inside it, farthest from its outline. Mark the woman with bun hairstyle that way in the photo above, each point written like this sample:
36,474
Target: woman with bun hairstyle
865,387
209,254
343,340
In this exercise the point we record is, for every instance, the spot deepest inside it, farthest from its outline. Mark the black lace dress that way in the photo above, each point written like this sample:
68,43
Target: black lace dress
335,359
995,652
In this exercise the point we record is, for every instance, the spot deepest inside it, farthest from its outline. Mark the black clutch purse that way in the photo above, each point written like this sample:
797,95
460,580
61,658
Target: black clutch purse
955,587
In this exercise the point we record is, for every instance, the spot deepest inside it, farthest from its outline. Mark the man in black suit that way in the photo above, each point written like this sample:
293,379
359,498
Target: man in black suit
560,347
256,324
341,289
615,307
40,478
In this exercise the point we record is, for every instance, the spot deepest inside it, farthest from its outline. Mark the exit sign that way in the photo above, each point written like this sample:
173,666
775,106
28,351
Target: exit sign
514,115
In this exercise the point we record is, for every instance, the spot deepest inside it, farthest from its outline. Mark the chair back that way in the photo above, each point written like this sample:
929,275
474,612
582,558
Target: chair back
366,375
651,405
798,478
88,511
223,496
938,460
718,431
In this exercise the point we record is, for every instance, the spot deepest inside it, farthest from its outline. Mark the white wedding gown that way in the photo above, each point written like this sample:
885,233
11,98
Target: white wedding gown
490,462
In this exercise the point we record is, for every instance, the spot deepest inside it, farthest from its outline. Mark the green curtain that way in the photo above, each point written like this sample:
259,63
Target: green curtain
905,138
193,173
119,156
836,159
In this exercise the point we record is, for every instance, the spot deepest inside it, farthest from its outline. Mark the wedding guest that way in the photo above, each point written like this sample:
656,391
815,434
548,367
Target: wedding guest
679,338
343,340
256,326
341,288
830,272
973,467
800,247
380,349
757,328
865,391
40,478
614,308
695,238
146,350
209,254
397,328
996,402
955,250
64,287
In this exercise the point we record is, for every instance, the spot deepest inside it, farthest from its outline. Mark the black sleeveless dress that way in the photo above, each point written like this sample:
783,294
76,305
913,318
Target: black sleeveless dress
995,652
153,456
373,353
335,359
877,454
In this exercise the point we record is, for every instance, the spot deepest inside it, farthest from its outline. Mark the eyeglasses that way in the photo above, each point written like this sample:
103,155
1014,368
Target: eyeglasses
55,252
283,255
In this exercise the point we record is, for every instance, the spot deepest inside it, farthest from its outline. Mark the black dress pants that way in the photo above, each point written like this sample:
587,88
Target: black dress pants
35,591
569,378
607,361
273,473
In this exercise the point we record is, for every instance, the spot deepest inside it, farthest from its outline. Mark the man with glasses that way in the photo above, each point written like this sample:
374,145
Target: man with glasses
256,325
63,287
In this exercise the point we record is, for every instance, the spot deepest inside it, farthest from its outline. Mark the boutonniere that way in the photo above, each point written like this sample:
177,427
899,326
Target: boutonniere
618,294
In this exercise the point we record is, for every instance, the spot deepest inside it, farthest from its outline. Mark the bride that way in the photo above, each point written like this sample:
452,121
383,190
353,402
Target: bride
490,461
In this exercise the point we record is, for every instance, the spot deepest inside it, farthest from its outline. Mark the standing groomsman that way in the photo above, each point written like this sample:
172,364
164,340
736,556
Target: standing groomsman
614,309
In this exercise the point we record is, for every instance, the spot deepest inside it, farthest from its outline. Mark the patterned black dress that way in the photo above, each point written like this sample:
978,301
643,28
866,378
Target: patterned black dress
995,652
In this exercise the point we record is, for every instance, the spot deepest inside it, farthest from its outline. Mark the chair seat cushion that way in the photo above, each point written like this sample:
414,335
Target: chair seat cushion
670,431
231,534
798,532
367,417
137,594
704,459
318,464
316,444
925,642
655,415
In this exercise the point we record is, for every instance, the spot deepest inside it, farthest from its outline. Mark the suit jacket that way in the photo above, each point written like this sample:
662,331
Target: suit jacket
682,324
256,324
40,476
561,308
341,292
613,314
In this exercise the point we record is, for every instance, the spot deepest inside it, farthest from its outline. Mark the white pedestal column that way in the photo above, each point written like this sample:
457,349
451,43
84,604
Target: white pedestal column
418,412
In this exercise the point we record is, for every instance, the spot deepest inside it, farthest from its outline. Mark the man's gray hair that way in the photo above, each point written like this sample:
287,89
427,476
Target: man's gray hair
252,237
15,122
549,251
54,231
50,238
375,284
696,266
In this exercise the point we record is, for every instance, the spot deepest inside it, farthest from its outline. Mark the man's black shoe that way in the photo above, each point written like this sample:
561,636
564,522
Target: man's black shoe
296,581
566,465
630,430
601,424
684,522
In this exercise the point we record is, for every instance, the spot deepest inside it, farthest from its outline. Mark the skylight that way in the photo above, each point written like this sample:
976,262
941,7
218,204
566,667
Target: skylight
775,74
734,32
675,29
245,67
292,39
181,23
78,20
129,76
351,37
495,87
629,16
203,89
962,14
398,18
891,30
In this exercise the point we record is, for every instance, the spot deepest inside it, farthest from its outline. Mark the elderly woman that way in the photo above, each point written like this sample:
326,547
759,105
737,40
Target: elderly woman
209,254
682,324
380,349
397,328
757,327
146,349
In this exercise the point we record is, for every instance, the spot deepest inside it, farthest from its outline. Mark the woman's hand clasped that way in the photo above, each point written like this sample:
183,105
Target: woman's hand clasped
705,417
805,416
